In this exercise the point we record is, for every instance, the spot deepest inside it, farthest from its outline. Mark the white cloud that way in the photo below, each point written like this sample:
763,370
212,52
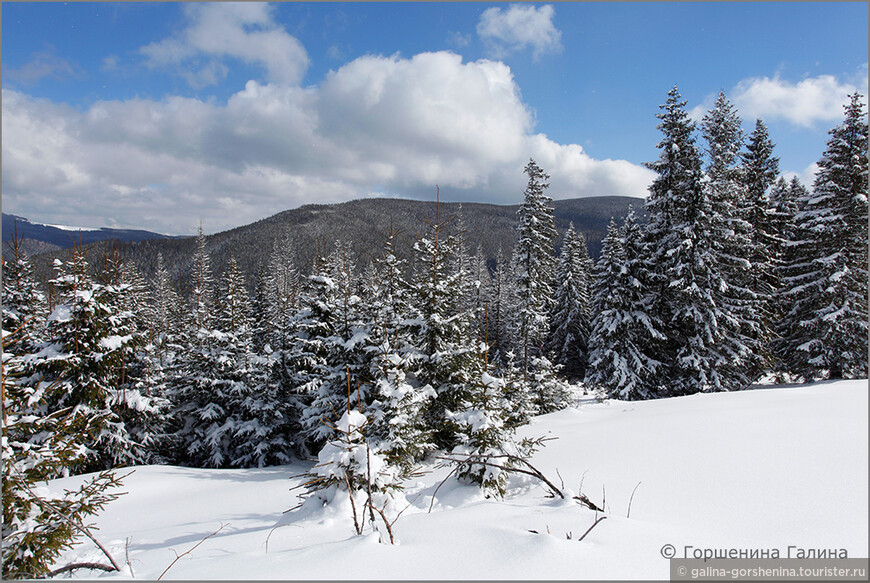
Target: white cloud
519,27
110,63
45,64
240,30
377,124
458,40
805,103
807,177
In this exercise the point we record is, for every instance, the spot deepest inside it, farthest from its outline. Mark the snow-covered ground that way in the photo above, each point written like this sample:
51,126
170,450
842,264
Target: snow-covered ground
767,468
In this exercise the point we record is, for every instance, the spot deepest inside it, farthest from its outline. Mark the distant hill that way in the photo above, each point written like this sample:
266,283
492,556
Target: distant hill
364,222
39,238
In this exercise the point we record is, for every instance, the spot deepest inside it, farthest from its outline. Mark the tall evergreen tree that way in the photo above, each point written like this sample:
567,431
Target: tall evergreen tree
202,293
397,406
569,333
784,197
498,335
682,269
84,363
225,421
760,169
624,335
24,305
534,268
446,359
825,332
740,299
37,446
331,339
165,326
480,298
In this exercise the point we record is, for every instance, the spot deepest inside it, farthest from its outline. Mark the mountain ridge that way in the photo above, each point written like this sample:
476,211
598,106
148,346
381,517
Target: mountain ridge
41,238
364,222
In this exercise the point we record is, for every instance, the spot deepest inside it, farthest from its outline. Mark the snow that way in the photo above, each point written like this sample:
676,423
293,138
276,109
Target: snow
114,342
63,227
764,468
61,313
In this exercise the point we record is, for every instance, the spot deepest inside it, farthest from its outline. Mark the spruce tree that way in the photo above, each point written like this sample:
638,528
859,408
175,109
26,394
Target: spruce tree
480,300
534,268
624,336
825,332
329,344
760,169
397,406
200,433
91,343
569,333
784,197
498,334
24,306
446,359
682,269
40,445
740,298
202,293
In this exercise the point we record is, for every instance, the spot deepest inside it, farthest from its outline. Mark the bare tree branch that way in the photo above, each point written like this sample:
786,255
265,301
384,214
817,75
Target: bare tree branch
453,471
193,548
73,566
630,499
594,524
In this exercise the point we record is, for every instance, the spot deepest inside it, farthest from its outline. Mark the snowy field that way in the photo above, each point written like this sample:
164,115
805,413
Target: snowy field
766,468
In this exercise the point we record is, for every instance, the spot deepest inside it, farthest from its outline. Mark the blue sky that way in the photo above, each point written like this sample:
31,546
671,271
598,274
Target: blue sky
159,115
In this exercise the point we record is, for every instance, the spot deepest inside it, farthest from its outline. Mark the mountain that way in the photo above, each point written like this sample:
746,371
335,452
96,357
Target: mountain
39,238
365,223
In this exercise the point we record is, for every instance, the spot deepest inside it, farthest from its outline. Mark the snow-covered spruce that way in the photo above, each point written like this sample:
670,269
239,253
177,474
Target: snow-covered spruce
824,334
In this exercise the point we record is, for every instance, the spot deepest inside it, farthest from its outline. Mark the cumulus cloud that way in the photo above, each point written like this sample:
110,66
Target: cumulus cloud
519,27
805,103
377,124
241,30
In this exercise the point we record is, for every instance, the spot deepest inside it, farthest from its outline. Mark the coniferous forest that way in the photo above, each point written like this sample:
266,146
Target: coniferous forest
372,364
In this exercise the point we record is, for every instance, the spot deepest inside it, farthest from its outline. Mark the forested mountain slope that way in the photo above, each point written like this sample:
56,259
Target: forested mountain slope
363,223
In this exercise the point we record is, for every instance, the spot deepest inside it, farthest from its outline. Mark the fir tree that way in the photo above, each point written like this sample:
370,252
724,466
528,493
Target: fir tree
760,169
445,357
165,325
330,339
215,386
282,291
784,197
480,298
146,410
203,285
